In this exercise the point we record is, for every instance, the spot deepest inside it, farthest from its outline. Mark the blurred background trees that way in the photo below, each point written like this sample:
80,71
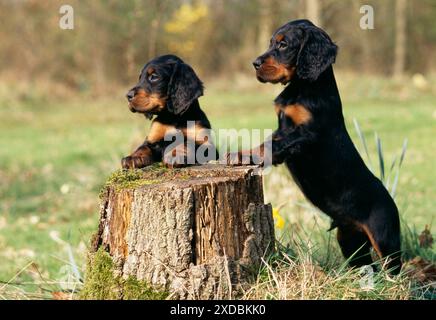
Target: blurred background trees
113,39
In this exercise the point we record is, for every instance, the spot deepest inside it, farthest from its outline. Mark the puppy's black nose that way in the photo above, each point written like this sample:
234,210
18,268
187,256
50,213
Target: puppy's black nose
257,63
130,95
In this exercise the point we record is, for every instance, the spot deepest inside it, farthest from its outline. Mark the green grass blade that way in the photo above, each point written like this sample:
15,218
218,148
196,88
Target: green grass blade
75,267
363,142
403,152
395,183
380,157
391,170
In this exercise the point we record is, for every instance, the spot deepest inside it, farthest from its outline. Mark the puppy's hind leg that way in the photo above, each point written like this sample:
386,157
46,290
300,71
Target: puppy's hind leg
383,230
354,243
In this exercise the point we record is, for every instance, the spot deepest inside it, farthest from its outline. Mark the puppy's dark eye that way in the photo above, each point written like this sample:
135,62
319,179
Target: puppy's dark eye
282,45
153,77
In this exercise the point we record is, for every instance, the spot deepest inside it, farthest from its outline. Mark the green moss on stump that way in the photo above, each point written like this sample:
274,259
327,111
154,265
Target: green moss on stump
157,173
101,284
123,179
140,290
129,179
132,178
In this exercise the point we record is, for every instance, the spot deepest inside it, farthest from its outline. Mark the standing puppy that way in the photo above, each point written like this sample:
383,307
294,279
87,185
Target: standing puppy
169,89
313,142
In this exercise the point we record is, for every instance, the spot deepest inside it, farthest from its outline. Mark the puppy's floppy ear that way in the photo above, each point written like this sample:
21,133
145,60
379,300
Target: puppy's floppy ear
183,88
317,52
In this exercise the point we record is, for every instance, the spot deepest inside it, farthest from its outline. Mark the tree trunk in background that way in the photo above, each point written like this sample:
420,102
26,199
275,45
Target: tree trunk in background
265,25
364,36
400,38
130,51
194,232
98,39
99,72
313,11
153,37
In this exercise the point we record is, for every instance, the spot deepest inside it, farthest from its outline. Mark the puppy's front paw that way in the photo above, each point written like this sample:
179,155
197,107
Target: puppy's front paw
173,165
234,158
132,162
244,158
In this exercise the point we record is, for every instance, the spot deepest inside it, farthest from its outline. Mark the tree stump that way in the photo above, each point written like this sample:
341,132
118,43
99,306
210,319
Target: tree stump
195,232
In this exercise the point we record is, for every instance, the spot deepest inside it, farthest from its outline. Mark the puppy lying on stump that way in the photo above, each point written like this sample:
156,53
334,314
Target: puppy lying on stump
195,233
168,90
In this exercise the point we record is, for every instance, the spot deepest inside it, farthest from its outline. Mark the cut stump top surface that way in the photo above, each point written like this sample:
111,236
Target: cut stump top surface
157,176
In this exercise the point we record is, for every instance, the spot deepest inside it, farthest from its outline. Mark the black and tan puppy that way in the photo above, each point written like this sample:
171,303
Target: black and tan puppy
168,89
313,142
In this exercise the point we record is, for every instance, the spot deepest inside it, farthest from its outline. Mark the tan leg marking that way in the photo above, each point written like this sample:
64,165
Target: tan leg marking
158,131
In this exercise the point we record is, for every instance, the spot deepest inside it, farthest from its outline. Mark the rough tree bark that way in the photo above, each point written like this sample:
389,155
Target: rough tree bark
195,232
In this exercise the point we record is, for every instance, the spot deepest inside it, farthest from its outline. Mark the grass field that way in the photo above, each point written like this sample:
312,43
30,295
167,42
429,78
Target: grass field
56,154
